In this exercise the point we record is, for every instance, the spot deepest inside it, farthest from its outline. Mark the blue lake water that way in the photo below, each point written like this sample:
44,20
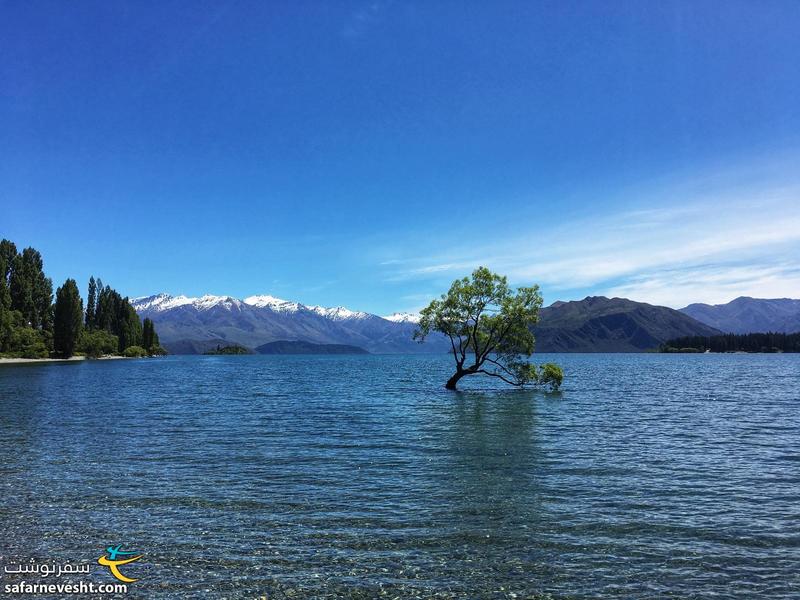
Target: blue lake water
649,476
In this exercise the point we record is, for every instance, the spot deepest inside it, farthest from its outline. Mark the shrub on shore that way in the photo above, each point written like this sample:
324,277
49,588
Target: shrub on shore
97,343
134,352
27,342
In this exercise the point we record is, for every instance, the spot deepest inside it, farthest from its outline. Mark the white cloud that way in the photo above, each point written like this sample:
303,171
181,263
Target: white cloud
710,248
713,284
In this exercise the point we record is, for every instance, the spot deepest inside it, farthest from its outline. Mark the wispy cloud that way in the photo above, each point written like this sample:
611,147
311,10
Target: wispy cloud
710,247
713,284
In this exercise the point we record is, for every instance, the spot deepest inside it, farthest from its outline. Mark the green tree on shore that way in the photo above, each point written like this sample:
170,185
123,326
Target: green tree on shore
130,333
25,303
68,320
91,303
98,342
149,336
31,291
116,315
7,253
489,328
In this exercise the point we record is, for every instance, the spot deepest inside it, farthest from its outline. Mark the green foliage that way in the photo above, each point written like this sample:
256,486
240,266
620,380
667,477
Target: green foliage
97,343
134,352
91,303
110,310
31,291
149,335
116,315
550,374
157,350
130,333
7,253
26,315
6,329
489,328
68,321
27,342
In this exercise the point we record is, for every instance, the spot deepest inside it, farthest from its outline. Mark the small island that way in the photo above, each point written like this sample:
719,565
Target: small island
232,349
299,347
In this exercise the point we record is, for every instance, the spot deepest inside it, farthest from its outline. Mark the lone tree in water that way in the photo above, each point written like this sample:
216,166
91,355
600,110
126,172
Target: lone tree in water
489,327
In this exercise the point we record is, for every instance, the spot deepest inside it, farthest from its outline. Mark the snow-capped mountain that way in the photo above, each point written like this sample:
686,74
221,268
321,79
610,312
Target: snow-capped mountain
160,302
402,317
266,301
340,313
190,325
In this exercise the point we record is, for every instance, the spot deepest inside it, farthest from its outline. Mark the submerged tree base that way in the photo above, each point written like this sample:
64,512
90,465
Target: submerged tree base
549,374
453,381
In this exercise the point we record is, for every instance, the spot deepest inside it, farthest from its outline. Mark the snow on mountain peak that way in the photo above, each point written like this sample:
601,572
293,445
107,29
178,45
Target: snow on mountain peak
210,301
403,317
271,302
163,302
339,313
160,302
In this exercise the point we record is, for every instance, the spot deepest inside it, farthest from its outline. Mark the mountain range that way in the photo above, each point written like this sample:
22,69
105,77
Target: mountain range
594,324
194,325
749,315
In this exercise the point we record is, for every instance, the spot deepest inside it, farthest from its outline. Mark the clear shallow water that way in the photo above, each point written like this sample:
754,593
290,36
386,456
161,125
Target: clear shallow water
650,476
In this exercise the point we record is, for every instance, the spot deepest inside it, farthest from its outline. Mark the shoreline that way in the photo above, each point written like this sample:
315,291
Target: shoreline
15,361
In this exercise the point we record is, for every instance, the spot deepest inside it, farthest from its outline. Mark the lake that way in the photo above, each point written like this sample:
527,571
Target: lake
357,476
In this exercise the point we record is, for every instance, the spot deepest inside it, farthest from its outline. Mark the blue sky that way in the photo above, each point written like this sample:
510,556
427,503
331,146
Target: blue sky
367,153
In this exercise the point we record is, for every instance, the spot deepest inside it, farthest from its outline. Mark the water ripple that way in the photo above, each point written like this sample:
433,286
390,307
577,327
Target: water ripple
649,476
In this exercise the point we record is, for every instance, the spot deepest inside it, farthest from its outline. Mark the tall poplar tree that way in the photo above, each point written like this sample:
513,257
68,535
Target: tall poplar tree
130,326
148,334
68,320
91,304
7,253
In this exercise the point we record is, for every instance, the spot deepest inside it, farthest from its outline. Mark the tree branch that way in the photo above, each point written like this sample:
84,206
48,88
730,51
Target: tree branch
455,355
501,336
491,374
494,362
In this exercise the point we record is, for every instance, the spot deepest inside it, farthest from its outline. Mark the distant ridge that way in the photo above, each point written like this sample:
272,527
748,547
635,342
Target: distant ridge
749,315
600,324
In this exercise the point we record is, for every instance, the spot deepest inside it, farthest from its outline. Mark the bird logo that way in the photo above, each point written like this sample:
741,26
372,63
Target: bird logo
113,563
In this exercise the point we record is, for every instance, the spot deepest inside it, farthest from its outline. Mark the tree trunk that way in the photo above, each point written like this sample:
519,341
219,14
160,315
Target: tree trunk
451,383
